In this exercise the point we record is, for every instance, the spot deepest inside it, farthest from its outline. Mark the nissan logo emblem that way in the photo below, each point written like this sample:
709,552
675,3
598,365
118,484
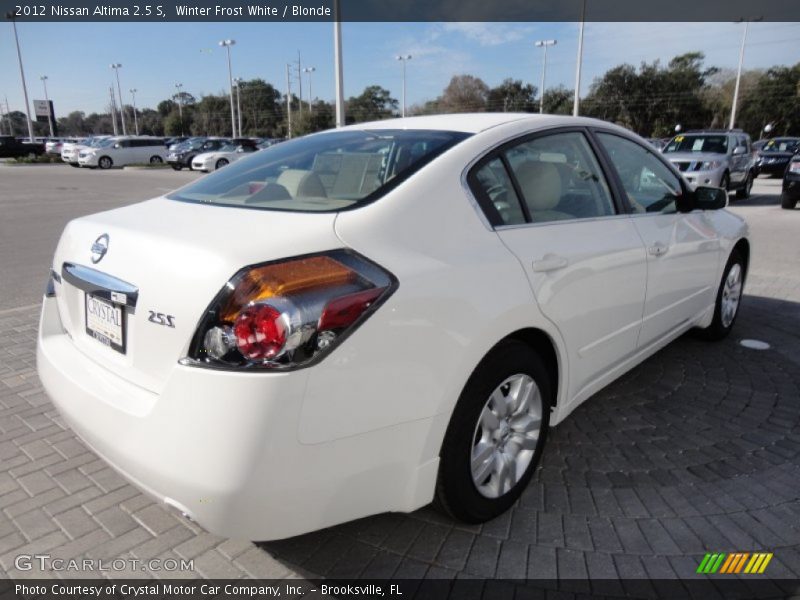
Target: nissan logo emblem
99,248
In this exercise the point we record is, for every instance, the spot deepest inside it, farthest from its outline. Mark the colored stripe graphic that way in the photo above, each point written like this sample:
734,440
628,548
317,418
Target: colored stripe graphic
735,563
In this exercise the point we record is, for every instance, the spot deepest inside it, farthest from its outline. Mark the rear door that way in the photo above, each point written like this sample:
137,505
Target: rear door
583,256
683,249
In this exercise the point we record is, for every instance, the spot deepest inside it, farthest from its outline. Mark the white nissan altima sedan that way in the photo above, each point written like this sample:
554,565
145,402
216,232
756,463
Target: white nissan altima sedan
376,317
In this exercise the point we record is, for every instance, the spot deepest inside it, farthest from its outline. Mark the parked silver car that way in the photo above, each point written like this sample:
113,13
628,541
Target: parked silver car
714,158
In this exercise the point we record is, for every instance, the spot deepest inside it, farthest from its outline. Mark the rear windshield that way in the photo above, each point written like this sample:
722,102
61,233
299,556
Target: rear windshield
715,144
319,173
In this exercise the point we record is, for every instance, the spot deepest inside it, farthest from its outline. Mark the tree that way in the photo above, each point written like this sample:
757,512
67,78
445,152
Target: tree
320,119
262,110
373,104
774,99
652,99
512,96
464,93
558,101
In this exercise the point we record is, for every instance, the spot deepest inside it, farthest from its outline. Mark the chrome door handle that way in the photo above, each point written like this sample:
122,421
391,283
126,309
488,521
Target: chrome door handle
658,249
549,262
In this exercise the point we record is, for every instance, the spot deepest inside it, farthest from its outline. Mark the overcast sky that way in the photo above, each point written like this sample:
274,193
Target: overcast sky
76,56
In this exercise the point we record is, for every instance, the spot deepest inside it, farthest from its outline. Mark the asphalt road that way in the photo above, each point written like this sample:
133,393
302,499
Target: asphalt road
37,201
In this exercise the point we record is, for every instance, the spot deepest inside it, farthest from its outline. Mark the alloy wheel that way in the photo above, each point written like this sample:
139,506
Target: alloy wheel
731,295
506,435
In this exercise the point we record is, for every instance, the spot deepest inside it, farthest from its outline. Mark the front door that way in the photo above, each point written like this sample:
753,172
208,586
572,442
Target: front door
683,249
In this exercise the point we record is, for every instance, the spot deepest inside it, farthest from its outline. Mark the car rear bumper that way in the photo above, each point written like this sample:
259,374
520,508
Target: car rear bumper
223,448
772,168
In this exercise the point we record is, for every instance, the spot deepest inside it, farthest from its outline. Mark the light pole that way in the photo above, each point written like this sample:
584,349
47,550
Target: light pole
237,81
135,118
739,70
179,87
47,99
227,45
22,76
404,59
337,61
576,101
309,71
544,44
117,67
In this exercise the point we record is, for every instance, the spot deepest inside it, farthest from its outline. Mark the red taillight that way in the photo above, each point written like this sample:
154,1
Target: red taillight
342,312
286,313
260,332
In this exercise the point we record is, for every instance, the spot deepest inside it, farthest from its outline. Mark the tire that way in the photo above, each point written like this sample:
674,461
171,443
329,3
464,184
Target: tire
189,163
725,182
744,191
222,162
723,319
470,489
176,166
788,202
156,160
104,162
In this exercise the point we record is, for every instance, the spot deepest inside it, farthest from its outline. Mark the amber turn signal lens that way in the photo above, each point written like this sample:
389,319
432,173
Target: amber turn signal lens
283,279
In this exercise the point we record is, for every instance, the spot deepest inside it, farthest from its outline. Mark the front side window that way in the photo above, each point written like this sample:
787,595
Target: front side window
649,185
323,172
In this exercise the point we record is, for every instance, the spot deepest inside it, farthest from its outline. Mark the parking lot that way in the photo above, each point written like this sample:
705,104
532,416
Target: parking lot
696,450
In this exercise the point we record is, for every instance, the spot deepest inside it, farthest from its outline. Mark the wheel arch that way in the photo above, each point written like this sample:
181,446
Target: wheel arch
541,343
743,247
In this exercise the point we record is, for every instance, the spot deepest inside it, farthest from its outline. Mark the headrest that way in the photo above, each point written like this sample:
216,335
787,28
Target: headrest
540,183
302,184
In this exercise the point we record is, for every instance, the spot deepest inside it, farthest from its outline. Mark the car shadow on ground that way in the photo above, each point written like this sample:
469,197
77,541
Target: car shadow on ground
755,199
695,450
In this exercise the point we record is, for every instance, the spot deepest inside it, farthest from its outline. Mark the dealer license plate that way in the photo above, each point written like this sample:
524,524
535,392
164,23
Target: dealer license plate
105,322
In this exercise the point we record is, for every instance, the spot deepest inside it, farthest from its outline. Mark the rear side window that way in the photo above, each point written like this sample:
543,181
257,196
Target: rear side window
549,178
324,172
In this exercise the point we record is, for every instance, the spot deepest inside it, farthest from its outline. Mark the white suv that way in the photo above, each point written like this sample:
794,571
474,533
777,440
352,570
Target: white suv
121,151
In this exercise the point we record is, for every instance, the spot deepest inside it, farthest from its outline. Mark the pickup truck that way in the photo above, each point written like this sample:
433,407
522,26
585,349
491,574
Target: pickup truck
10,147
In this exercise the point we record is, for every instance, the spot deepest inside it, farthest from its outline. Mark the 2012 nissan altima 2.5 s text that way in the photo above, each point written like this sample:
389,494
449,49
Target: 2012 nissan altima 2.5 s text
380,316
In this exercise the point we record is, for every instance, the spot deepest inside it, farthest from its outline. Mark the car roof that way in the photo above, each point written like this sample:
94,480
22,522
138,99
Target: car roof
476,122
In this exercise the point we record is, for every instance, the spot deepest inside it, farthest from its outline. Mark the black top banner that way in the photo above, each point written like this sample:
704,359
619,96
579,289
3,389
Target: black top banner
402,10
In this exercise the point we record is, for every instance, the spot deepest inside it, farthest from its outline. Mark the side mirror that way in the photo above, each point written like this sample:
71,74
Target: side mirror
710,198
739,150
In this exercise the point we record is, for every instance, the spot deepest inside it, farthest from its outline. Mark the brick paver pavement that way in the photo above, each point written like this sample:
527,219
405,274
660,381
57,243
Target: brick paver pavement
697,449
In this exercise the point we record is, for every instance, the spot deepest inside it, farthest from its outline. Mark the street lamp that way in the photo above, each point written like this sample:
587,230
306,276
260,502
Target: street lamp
337,63
227,45
544,44
577,98
47,99
22,76
739,70
179,87
237,81
135,118
117,67
404,59
309,71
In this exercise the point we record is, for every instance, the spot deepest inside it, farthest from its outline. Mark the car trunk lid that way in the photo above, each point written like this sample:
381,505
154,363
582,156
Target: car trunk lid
136,308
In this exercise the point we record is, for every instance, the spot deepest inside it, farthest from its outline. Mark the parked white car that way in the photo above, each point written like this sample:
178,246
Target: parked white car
124,150
211,161
371,318
71,151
